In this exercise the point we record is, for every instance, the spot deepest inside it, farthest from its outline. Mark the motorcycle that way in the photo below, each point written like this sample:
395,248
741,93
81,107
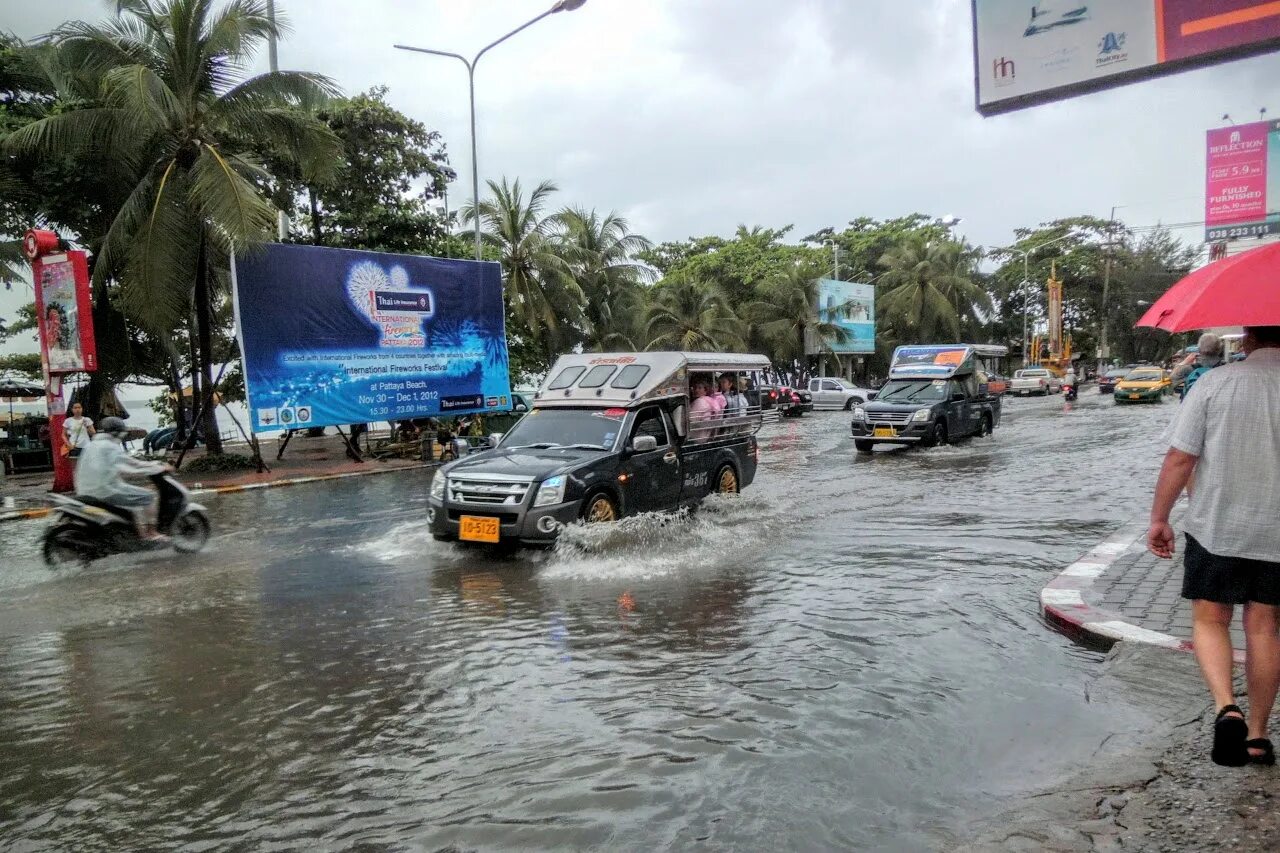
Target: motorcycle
1069,393
85,529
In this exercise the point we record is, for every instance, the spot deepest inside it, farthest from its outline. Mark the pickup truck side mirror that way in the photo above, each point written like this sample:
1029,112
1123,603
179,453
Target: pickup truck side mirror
957,397
644,444
521,407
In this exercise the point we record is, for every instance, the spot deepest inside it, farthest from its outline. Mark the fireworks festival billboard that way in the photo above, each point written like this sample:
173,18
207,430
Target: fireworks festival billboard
334,336
1028,53
1242,181
851,306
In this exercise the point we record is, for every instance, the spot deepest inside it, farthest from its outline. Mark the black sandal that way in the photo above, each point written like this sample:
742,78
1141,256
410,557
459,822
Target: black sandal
1229,735
1268,756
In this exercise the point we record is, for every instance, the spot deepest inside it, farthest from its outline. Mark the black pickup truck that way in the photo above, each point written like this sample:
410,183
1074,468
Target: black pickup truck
933,396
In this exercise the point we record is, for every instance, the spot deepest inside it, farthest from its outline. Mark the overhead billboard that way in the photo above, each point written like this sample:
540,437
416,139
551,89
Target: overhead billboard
1242,181
852,307
1028,53
333,336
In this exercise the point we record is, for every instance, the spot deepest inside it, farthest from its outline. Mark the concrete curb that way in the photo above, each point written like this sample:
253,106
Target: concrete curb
196,489
1064,606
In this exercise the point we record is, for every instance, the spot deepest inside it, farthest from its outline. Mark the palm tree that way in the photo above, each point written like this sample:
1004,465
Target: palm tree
541,295
176,107
600,254
692,316
931,291
787,316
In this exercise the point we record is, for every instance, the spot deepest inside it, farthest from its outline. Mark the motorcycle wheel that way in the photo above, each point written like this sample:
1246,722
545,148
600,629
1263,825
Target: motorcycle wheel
61,548
190,532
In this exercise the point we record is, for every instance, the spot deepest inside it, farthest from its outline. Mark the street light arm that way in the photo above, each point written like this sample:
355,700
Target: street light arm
523,26
456,56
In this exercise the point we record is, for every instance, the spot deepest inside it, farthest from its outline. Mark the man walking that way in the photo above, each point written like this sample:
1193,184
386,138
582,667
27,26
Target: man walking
1228,435
1208,356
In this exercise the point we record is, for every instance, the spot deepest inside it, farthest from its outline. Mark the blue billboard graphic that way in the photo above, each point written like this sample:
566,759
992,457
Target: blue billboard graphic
852,307
334,336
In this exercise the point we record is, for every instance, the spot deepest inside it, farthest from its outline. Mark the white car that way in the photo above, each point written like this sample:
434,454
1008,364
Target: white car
831,393
1035,380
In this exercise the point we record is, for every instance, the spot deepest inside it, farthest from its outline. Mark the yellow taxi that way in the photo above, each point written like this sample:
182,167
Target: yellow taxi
1144,385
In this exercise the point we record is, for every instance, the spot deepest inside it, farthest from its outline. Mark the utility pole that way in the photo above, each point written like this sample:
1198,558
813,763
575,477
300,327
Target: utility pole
1104,352
273,60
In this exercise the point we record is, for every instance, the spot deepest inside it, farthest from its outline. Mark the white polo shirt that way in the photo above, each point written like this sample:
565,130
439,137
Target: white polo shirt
1231,420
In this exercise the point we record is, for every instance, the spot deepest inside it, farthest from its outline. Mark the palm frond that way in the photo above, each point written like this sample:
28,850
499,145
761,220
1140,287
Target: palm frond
221,192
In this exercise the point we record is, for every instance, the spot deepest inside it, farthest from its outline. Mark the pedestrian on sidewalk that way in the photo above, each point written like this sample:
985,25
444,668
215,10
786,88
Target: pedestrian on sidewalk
1228,435
78,430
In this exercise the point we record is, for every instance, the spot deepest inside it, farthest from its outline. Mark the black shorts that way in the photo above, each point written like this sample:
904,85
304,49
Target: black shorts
1228,580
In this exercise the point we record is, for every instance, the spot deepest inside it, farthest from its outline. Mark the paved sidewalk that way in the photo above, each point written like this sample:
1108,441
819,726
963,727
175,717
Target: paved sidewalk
1120,591
306,460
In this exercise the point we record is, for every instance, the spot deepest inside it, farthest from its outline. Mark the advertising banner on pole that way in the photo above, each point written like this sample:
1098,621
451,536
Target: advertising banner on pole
852,307
334,336
1242,181
1028,53
64,309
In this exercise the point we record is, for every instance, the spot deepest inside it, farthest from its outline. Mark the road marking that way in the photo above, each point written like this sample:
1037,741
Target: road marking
1231,19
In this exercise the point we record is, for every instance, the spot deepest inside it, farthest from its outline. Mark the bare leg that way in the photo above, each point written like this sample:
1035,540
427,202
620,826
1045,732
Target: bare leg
1211,637
1262,664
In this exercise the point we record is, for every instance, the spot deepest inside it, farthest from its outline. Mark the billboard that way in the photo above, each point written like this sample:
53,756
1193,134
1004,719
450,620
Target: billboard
334,336
64,310
1028,53
852,307
1242,181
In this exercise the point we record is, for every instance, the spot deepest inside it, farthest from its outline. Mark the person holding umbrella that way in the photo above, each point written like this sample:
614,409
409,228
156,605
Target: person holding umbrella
1227,435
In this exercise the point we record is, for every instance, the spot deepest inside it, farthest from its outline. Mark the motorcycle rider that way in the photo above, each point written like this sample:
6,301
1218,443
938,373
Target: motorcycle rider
1069,379
99,475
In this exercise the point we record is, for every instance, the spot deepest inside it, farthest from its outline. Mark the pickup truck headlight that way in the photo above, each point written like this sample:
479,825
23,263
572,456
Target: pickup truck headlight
437,486
922,414
859,413
551,491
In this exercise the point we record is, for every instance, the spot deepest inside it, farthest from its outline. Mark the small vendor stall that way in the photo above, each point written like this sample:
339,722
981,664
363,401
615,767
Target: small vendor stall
25,446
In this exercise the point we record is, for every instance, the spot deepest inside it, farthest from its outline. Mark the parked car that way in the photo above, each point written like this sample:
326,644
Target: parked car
831,393
933,396
1143,385
1035,380
1108,378
801,401
767,397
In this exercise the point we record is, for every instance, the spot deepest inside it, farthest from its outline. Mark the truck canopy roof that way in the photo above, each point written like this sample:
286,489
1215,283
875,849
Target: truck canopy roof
626,379
939,361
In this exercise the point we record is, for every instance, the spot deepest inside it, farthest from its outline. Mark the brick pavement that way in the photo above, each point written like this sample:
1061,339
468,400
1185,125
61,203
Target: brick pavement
1145,590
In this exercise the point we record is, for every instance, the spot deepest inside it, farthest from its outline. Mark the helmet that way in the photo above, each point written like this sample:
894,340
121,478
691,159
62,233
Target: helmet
114,426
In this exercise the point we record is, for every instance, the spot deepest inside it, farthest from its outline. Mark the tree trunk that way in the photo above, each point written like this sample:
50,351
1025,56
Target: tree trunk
175,387
189,406
204,323
317,236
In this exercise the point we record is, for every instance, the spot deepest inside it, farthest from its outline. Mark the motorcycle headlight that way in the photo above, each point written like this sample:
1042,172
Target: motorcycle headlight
922,415
551,491
438,483
859,413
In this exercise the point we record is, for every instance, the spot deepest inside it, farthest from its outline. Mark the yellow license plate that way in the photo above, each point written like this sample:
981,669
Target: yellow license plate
476,528
884,432
1134,396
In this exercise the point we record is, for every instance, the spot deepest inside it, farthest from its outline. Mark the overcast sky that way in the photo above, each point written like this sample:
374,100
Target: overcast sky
692,116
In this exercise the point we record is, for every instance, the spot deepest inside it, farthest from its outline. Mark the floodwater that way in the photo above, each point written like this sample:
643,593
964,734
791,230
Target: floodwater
848,655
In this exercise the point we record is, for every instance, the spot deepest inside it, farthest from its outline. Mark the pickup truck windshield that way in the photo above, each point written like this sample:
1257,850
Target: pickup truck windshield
586,428
913,391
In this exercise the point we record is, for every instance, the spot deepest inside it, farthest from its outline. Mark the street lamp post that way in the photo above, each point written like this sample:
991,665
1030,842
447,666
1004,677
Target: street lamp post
561,6
835,261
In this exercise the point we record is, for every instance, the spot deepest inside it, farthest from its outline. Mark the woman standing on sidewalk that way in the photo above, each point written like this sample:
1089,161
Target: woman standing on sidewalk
1228,435
77,430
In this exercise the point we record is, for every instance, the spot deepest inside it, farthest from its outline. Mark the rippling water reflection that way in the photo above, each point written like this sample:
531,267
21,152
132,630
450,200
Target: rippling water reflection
848,655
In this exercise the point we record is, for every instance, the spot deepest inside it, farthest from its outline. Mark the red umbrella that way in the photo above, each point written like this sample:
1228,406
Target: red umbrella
1240,291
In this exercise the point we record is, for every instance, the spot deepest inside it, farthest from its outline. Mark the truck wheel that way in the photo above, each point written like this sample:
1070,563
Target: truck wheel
852,401
862,445
727,481
937,436
599,508
987,426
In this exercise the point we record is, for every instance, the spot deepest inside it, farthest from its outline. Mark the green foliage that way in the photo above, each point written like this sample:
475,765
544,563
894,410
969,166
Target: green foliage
26,364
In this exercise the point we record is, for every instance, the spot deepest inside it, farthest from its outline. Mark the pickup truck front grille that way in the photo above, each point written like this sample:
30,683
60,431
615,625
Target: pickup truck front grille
487,492
889,417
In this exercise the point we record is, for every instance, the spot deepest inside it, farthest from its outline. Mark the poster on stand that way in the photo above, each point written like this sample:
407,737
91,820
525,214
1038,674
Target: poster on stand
65,312
336,336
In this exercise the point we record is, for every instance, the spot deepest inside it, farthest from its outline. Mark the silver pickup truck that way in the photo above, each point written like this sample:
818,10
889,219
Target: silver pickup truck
1035,380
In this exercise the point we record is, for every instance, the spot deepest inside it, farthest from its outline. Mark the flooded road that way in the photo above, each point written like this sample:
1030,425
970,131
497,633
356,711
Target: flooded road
849,655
